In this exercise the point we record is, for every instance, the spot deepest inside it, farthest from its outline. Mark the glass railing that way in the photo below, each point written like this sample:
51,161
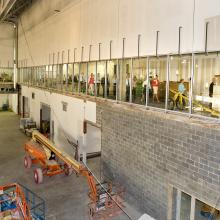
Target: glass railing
188,83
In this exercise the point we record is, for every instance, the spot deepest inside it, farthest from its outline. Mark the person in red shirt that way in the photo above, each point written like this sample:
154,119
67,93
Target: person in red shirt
91,84
155,85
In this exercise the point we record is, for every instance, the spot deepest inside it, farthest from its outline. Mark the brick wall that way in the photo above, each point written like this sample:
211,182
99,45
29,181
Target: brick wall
147,151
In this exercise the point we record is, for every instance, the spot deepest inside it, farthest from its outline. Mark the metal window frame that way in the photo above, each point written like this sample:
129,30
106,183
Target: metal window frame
27,79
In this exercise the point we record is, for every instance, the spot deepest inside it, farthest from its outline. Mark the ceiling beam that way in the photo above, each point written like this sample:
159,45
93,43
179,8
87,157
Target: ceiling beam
6,6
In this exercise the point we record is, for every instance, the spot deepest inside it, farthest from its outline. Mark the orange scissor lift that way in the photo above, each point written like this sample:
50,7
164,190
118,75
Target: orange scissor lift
13,204
106,199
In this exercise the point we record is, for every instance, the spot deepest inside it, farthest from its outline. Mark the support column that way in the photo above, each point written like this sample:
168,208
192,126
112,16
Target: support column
192,212
178,204
169,203
15,63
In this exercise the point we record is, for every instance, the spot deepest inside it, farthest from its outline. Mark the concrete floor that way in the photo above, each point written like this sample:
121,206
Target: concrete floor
66,197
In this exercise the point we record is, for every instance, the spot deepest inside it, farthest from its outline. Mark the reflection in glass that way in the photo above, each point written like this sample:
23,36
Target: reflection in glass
64,77
139,81
157,79
204,211
83,78
206,85
69,81
6,74
112,75
60,77
54,76
185,206
179,83
100,79
125,80
76,77
91,78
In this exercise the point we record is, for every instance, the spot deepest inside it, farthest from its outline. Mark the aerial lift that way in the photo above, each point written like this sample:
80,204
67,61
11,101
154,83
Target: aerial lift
105,199
13,204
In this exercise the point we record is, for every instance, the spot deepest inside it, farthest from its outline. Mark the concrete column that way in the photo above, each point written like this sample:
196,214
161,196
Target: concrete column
192,212
178,204
15,63
169,203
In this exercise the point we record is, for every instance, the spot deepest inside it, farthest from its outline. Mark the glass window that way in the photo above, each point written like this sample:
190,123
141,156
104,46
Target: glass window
70,77
26,75
139,81
179,83
185,206
203,211
29,75
206,85
112,76
59,78
64,77
33,75
91,78
157,82
101,71
47,76
54,76
6,74
76,77
124,80
50,75
83,78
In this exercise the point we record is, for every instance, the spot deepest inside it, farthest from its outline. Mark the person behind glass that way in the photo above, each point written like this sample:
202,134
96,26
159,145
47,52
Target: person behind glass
103,86
91,84
155,85
108,85
182,89
98,81
128,83
114,81
81,80
145,87
134,85
211,90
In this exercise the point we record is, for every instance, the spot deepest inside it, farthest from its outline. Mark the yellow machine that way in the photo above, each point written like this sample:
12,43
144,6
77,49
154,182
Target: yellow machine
178,100
105,202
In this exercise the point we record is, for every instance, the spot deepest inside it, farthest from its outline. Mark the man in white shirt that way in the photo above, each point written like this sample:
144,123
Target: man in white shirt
128,83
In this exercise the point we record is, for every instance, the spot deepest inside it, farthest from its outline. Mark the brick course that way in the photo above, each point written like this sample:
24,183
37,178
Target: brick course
146,151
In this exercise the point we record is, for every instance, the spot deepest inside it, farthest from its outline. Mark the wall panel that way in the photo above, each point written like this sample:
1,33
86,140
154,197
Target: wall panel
85,22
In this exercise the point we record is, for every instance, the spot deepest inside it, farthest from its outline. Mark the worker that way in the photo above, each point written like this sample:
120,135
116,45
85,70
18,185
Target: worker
52,156
114,85
181,87
103,86
211,89
91,84
181,90
82,82
128,83
155,85
108,85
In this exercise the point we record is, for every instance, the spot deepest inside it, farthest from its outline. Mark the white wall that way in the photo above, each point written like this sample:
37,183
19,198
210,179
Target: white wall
66,124
84,22
6,45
